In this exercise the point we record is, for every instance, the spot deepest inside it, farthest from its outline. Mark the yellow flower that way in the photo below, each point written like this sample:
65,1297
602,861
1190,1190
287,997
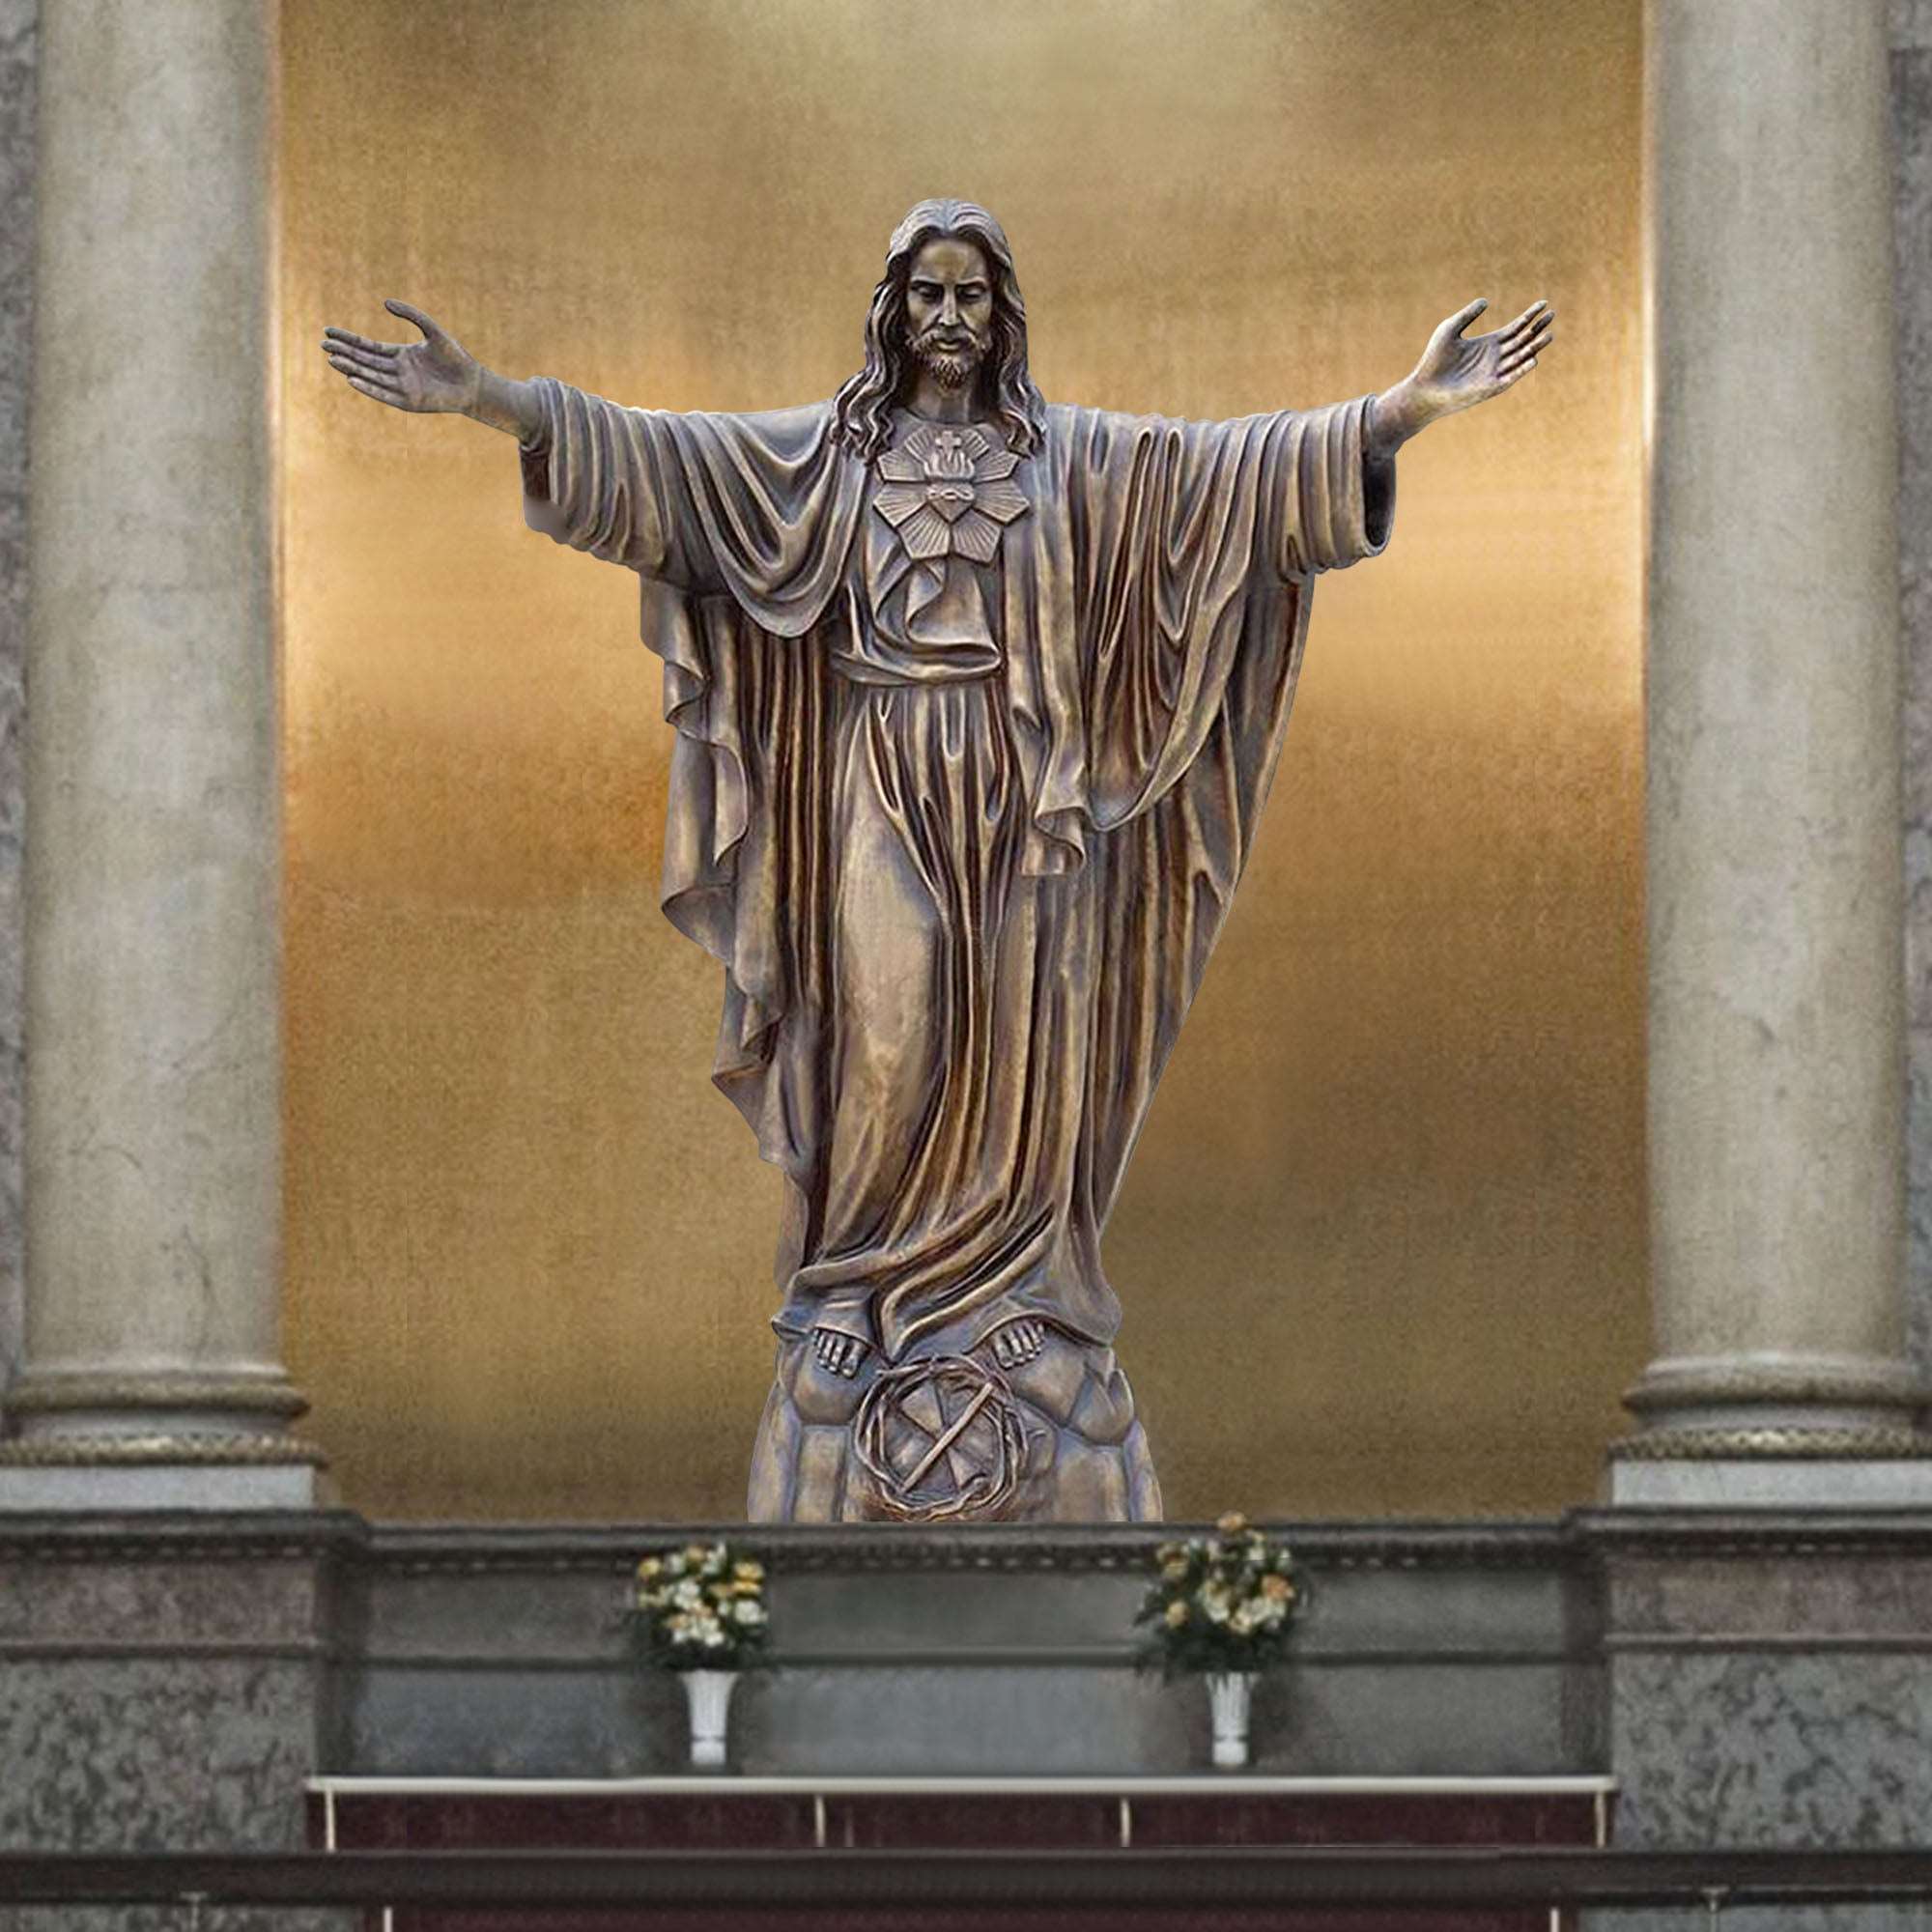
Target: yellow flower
1175,1570
1277,1589
749,1571
1177,1615
1231,1524
694,1553
650,1566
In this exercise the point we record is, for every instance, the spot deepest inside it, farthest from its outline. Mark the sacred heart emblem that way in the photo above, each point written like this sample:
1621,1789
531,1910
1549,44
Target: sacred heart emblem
948,490
940,1439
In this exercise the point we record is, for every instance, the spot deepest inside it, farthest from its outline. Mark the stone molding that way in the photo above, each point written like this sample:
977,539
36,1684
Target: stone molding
1884,1385
1667,1533
1576,1541
199,1450
50,1392
1871,1443
159,1536
846,1548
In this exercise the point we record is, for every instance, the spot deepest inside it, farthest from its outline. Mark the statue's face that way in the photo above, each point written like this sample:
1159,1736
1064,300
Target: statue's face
949,309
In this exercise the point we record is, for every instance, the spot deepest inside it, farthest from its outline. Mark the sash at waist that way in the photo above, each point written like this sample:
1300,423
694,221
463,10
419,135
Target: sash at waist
962,669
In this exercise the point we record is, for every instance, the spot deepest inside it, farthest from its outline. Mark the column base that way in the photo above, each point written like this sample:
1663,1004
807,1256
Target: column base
1814,1478
1775,1431
160,1485
169,1440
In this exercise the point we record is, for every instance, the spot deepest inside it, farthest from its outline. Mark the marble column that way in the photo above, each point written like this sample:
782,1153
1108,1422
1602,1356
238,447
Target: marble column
152,1169
1777,1022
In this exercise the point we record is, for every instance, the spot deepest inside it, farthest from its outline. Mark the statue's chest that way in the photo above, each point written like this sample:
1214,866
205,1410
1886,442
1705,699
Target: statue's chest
939,503
948,490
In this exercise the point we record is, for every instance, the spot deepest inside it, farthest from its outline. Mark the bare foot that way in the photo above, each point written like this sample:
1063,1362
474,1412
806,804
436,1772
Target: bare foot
838,1352
1017,1341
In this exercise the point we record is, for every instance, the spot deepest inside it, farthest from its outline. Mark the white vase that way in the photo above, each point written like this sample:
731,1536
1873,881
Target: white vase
1229,1692
708,1693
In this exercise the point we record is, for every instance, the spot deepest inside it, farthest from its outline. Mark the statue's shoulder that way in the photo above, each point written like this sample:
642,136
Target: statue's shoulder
1076,419
802,424
1091,431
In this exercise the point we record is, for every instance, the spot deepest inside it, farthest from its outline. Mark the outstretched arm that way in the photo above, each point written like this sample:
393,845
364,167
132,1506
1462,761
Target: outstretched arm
1457,371
435,376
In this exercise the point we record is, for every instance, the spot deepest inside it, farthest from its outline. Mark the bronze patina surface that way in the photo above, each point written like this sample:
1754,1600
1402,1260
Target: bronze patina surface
978,700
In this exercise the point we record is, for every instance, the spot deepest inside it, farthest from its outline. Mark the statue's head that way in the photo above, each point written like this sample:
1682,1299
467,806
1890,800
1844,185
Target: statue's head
948,301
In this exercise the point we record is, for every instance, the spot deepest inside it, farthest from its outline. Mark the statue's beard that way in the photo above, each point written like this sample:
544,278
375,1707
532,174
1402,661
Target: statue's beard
952,367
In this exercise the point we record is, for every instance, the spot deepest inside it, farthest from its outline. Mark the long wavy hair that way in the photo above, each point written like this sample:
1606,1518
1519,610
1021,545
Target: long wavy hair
862,408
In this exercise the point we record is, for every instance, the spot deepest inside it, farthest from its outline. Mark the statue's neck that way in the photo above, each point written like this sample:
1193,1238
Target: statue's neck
925,395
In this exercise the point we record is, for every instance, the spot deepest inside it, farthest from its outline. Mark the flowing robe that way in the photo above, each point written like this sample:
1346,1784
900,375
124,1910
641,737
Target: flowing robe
962,892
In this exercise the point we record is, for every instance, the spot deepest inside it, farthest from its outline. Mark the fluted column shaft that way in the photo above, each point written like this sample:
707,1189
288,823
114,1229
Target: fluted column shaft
153,1153
1777,1019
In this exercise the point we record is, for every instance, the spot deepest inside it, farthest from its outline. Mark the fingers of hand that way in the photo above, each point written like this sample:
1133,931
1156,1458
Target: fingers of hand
423,322
1524,354
1453,325
382,394
362,362
1527,322
347,338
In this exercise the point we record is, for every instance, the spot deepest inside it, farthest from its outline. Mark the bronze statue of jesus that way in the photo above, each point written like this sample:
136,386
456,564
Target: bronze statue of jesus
977,702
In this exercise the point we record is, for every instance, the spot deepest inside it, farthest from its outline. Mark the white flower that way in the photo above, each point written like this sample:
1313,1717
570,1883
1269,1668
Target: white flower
749,1610
689,1594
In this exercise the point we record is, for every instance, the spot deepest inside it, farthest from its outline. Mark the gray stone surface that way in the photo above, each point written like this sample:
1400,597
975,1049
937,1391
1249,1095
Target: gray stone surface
1772,1688
17,40
1416,1656
162,1693
1771,1482
1771,678
1772,1747
1911,132
172,1485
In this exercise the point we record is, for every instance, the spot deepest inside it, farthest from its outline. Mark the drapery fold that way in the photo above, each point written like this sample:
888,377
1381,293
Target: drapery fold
1153,607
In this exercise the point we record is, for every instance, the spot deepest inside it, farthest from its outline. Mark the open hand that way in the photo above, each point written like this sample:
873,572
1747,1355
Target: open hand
1458,370
434,375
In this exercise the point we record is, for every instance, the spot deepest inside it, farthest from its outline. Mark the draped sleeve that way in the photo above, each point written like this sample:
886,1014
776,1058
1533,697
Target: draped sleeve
740,528
1173,576
1192,529
760,507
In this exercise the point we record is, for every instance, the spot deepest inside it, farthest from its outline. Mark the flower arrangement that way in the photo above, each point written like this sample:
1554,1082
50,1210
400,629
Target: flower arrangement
1222,1603
702,1608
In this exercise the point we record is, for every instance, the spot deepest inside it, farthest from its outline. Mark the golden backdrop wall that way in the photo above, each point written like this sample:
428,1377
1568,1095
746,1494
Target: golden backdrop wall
1381,1248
